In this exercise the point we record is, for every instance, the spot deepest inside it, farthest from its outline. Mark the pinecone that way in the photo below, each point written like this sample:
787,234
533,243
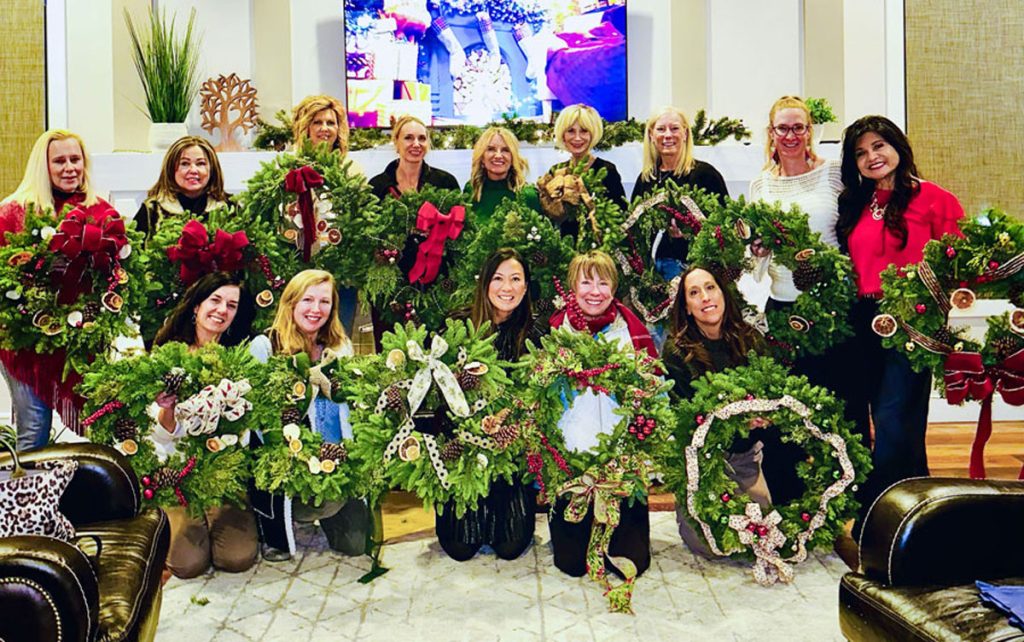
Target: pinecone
943,335
125,428
333,451
1017,295
448,285
1006,345
538,258
506,436
467,381
90,312
291,415
394,398
336,384
452,450
727,273
173,381
164,478
806,276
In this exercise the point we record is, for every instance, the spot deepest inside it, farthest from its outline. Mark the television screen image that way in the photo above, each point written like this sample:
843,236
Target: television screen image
470,62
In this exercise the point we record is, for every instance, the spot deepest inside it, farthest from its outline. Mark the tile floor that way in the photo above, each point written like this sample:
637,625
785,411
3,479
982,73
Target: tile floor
427,596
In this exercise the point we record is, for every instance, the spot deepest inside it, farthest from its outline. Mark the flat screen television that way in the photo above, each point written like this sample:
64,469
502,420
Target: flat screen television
469,62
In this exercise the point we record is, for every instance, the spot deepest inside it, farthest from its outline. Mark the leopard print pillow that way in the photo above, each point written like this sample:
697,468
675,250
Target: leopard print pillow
29,505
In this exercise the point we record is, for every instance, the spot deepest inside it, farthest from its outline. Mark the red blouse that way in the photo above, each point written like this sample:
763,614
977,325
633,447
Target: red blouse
932,213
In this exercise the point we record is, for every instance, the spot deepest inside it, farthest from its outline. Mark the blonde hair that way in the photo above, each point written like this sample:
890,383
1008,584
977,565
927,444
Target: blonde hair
587,118
167,188
287,337
396,129
308,108
593,262
772,156
516,178
652,160
36,187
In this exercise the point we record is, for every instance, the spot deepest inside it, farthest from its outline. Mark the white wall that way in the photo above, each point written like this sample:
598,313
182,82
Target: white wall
649,56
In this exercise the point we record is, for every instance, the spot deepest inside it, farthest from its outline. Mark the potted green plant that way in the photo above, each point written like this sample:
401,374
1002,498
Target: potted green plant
167,63
821,115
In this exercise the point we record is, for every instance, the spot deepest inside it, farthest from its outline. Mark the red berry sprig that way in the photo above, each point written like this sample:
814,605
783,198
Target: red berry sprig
687,219
719,237
105,409
534,464
641,427
557,456
585,378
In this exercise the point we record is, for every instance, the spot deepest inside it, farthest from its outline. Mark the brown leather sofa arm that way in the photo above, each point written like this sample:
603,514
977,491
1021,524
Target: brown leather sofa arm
104,486
48,591
944,531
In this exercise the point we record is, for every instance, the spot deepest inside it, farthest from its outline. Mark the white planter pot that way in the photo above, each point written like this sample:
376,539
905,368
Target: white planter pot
819,134
163,135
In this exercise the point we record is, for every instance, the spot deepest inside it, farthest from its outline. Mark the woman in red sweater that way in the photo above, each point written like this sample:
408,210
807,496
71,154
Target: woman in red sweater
57,177
887,214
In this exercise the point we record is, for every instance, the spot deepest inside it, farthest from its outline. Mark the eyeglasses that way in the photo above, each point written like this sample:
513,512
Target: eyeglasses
784,130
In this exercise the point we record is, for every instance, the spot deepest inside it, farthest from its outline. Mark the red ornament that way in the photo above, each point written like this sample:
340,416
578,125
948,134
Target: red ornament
762,531
921,308
750,397
726,497
146,480
950,252
700,419
993,265
964,284
148,493
805,516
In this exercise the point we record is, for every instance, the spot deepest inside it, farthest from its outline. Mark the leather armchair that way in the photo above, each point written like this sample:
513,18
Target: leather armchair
51,590
923,544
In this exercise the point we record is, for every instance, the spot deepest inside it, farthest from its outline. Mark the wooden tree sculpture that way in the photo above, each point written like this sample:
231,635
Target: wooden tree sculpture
224,97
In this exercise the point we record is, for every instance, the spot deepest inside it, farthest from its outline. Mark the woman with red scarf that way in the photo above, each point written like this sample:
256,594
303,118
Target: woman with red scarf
593,279
57,177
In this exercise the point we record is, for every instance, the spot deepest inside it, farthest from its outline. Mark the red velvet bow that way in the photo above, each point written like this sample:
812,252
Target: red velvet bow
199,257
441,227
967,378
91,238
300,181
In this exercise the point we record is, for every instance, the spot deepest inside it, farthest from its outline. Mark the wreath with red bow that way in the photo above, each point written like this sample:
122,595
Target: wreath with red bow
319,212
70,283
182,252
914,316
415,241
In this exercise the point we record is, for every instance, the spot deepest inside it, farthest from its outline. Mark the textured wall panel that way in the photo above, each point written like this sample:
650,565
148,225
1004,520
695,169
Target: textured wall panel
22,88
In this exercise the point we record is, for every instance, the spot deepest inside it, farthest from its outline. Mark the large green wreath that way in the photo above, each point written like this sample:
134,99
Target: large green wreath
720,411
211,462
225,242
32,315
428,415
294,459
579,193
386,286
517,226
344,207
819,316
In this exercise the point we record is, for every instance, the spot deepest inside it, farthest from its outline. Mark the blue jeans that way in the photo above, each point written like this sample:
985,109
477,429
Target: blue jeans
669,268
899,410
32,415
347,302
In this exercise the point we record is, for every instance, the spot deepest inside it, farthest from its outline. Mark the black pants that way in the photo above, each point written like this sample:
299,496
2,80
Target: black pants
504,520
631,538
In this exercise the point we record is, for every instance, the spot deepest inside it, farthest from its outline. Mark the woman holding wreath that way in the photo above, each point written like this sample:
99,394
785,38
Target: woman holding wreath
191,185
307,321
504,519
215,309
593,278
668,156
57,177
887,214
498,172
409,172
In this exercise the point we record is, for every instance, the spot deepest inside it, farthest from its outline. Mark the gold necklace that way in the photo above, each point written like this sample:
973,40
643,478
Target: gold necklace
877,211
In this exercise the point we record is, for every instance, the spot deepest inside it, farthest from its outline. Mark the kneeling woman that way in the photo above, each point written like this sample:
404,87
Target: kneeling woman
307,321
215,309
504,519
593,278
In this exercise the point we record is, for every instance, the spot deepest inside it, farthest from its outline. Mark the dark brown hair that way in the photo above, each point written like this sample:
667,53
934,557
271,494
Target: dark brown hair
521,319
180,324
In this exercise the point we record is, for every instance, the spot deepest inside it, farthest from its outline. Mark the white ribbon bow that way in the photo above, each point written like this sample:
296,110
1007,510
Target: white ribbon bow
201,413
435,370
320,382
769,567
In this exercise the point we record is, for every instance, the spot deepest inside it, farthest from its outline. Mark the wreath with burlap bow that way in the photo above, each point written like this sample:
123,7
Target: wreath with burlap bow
222,395
70,283
429,415
579,193
921,302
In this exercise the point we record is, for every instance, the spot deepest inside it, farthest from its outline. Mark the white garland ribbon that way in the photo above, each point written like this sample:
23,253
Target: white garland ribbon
692,452
201,412
319,381
435,370
765,539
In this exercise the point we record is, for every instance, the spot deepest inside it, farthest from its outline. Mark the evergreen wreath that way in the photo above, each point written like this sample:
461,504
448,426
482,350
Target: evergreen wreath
720,411
435,227
222,395
294,459
986,263
313,188
70,284
430,418
516,225
819,316
182,251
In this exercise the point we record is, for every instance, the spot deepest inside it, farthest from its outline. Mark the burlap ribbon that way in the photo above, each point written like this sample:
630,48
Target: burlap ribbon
318,381
201,412
763,536
440,227
560,188
198,256
90,239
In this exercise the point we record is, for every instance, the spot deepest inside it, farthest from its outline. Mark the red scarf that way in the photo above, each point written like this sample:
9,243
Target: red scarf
637,330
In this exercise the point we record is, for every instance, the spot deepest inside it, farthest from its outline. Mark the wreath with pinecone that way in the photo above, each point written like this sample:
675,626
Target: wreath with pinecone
70,283
922,301
319,212
294,459
222,395
416,241
182,251
818,317
515,225
429,414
